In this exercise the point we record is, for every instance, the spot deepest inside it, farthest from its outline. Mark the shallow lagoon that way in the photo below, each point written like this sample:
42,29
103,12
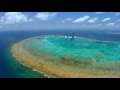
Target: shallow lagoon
58,46
8,38
79,56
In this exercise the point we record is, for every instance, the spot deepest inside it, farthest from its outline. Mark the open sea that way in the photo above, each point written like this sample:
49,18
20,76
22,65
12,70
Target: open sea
10,68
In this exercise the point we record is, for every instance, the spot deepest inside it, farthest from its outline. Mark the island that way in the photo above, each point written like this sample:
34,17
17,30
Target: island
59,57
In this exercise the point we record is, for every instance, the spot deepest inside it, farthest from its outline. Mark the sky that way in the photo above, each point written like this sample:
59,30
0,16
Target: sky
59,20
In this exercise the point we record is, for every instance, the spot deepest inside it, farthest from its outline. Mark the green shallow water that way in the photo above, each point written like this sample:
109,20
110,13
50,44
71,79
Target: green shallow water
79,48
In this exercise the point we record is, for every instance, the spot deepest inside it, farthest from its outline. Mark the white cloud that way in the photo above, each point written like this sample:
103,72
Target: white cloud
106,19
110,24
14,17
92,20
68,19
81,19
45,15
99,12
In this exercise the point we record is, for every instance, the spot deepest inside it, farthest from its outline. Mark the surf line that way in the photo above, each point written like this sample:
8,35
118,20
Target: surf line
33,69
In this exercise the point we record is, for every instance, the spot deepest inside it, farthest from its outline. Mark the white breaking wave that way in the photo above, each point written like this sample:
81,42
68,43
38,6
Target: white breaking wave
65,36
75,37
69,37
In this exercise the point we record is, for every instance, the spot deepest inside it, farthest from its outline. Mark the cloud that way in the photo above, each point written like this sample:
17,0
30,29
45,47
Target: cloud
99,12
81,19
14,17
106,19
93,20
110,24
68,19
45,15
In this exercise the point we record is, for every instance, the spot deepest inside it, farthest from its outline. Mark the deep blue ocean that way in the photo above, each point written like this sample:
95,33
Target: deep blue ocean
10,68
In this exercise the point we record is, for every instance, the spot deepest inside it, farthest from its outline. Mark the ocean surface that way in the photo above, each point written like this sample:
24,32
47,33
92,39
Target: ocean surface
77,49
10,68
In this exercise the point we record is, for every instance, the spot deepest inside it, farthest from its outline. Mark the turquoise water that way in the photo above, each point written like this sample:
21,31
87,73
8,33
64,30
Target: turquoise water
11,68
16,70
79,48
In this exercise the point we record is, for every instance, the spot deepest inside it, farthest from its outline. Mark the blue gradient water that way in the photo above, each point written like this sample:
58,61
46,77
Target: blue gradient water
10,68
79,48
